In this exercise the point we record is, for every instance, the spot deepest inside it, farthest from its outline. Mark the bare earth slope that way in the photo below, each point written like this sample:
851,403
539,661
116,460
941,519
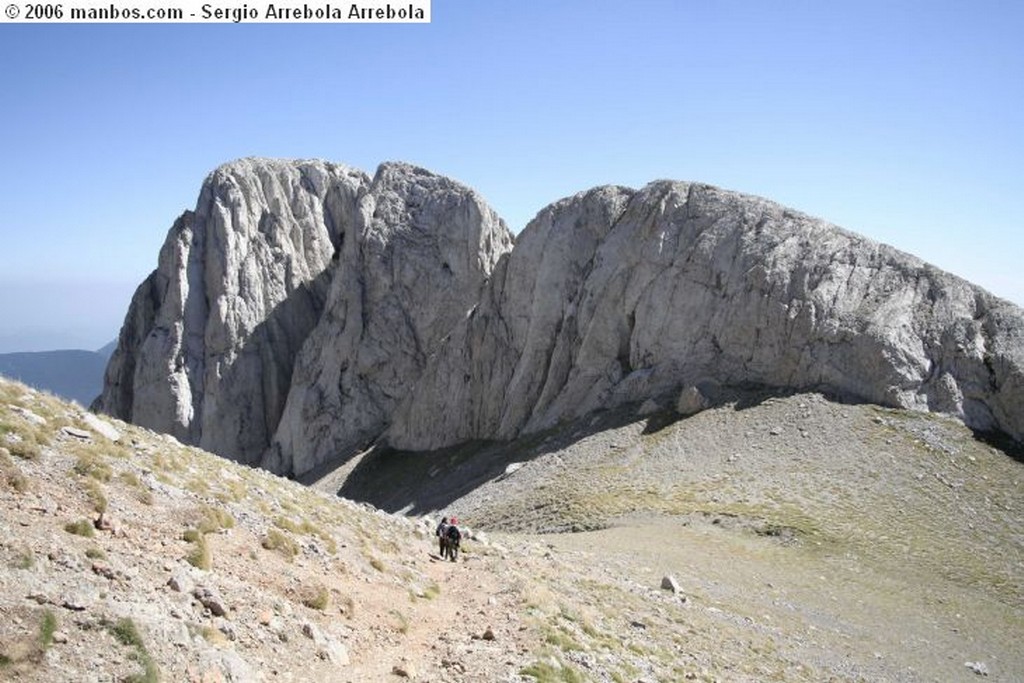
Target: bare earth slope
810,541
814,540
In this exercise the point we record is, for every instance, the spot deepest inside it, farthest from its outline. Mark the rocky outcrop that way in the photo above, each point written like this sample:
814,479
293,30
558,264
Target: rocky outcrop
207,349
423,249
613,296
278,255
304,311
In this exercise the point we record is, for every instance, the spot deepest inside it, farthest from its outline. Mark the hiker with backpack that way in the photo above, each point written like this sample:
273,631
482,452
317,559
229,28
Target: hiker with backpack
453,537
441,534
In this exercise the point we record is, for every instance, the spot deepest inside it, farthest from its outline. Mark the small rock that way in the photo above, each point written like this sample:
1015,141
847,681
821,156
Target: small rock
488,634
404,670
210,600
60,637
977,667
29,415
669,583
336,653
691,401
181,582
77,433
101,427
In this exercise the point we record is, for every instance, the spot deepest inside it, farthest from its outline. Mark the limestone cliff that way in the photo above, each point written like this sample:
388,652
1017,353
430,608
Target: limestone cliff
304,311
615,296
361,276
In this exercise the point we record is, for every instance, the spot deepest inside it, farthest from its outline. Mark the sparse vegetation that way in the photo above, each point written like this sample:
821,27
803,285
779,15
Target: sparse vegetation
316,597
82,527
552,671
281,543
24,559
399,621
11,474
213,519
786,523
91,464
47,628
126,633
95,495
200,555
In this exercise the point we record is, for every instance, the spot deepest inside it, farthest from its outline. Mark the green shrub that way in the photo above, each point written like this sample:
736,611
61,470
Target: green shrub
26,559
214,519
546,672
16,480
24,449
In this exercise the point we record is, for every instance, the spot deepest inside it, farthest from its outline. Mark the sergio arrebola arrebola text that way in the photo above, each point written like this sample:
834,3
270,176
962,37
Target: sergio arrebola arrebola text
327,11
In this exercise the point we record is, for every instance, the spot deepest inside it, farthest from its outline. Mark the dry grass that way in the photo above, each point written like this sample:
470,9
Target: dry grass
82,527
315,597
280,543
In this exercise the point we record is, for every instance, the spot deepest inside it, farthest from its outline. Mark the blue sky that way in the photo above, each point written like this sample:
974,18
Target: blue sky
902,121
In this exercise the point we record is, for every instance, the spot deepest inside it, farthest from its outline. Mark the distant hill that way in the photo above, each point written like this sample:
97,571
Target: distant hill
72,374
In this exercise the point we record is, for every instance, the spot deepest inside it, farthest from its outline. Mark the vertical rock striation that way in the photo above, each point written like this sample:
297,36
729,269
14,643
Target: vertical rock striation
423,247
208,346
613,296
305,310
307,269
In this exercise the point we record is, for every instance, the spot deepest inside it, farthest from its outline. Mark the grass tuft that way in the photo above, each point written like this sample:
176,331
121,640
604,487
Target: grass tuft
47,628
126,633
82,527
316,597
281,543
91,464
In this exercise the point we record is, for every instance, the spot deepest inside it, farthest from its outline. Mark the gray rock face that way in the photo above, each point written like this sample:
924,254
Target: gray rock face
612,296
423,248
304,311
280,257
207,349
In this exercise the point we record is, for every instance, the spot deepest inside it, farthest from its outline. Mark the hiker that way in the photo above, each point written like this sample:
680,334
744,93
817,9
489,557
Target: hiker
441,533
452,537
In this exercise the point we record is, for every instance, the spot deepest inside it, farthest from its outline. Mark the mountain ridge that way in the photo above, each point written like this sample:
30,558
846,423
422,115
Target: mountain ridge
305,311
75,374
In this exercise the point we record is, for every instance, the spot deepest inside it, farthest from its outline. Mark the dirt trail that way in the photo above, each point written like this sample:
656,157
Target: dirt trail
471,630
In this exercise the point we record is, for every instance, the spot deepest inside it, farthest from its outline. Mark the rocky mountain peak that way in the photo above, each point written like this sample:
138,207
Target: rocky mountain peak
304,311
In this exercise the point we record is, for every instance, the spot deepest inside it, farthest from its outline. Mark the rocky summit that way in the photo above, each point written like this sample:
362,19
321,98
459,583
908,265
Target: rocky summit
305,311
